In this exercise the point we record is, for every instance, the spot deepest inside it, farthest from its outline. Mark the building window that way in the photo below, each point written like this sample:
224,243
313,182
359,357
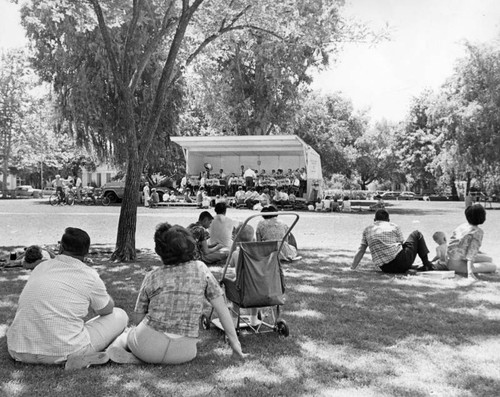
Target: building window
108,177
99,181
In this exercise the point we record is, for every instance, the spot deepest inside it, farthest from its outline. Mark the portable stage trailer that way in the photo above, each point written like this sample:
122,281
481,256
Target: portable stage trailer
255,151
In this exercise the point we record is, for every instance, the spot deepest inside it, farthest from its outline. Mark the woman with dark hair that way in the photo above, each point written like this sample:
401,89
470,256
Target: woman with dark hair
463,249
270,228
170,303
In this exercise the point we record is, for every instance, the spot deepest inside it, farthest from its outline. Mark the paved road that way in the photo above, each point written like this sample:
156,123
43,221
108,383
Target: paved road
31,221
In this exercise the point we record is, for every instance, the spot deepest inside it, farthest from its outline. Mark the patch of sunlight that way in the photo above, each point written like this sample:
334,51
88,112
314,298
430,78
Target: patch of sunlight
3,330
307,313
310,276
21,277
112,380
345,392
13,388
7,303
192,388
308,289
491,297
288,367
248,372
484,350
135,386
480,311
117,268
324,351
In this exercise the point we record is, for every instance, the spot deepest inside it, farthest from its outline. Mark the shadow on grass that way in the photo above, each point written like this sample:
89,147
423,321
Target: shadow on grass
351,333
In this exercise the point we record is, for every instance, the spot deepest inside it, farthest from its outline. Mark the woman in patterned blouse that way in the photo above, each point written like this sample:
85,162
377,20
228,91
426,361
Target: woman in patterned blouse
170,303
463,249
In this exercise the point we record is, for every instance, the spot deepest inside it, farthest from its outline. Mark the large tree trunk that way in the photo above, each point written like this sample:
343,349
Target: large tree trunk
127,224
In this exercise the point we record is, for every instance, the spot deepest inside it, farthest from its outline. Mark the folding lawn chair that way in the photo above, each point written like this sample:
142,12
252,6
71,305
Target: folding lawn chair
259,282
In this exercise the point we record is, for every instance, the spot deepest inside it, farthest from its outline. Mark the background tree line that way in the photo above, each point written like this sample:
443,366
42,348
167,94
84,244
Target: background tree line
121,77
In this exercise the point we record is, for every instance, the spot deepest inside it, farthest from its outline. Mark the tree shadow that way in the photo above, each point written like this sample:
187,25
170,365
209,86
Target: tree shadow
350,331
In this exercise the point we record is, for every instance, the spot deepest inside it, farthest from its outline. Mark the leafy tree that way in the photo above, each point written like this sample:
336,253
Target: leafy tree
14,85
252,84
115,66
473,99
331,126
415,143
374,158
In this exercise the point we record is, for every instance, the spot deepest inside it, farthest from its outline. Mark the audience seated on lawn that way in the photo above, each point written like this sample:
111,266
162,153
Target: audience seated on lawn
346,204
169,306
221,229
463,251
208,253
48,327
270,228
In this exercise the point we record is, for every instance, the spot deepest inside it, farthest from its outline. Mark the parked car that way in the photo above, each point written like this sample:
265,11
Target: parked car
407,196
28,191
115,190
390,195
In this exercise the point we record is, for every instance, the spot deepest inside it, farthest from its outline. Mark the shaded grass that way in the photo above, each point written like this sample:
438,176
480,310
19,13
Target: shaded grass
358,333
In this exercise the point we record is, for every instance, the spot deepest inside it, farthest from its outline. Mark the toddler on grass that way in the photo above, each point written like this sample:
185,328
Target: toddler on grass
439,261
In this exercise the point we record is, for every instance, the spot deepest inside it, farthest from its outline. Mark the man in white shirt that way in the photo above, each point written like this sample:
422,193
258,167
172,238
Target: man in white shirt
221,229
249,176
78,185
48,327
240,196
252,197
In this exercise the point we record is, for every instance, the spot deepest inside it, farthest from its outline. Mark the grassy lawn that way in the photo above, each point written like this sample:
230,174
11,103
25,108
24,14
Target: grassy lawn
351,334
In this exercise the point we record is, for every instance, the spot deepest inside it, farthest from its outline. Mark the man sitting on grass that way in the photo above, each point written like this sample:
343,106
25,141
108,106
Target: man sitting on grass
387,246
203,251
48,327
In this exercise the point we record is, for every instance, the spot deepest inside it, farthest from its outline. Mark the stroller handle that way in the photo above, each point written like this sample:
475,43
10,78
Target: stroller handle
242,226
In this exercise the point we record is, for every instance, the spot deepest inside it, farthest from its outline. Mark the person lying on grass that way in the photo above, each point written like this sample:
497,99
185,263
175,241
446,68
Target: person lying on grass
169,306
31,257
388,248
48,327
463,251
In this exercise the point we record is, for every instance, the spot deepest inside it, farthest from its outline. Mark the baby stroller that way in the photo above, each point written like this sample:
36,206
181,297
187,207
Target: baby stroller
259,282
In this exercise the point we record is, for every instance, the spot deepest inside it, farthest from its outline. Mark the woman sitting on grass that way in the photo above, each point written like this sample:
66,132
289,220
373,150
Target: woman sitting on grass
170,303
463,249
270,228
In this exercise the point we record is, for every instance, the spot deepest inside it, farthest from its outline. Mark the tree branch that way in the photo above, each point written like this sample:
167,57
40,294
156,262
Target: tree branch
136,11
106,37
214,36
151,47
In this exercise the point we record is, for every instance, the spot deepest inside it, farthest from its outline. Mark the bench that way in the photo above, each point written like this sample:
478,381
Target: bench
175,204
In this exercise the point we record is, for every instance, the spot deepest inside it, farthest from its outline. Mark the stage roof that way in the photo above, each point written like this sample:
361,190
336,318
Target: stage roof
248,145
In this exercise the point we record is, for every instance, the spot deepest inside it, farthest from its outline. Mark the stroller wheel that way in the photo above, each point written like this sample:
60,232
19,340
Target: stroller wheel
204,322
282,328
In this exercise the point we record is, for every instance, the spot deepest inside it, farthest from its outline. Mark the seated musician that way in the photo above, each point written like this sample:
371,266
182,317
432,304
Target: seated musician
240,196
